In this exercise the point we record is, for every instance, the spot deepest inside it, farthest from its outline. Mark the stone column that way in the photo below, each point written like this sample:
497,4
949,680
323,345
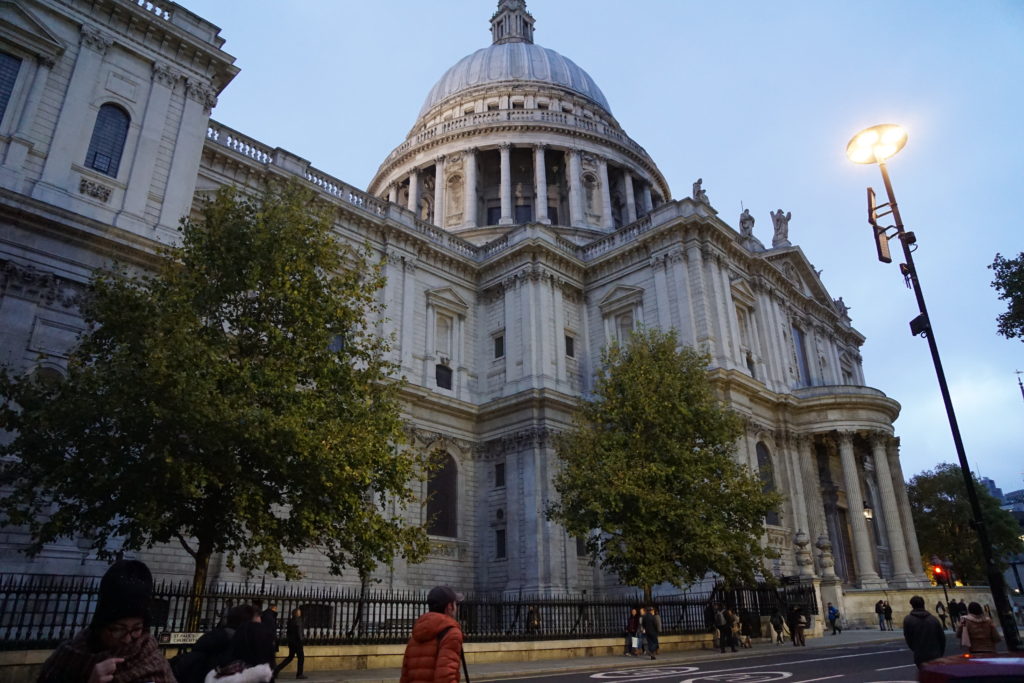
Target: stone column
469,192
540,184
866,574
414,192
393,193
20,141
506,185
893,527
439,191
77,117
909,532
188,150
153,123
648,201
627,180
607,221
810,480
575,189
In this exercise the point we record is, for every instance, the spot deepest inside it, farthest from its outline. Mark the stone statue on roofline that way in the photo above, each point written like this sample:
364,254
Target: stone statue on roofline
746,224
699,195
781,222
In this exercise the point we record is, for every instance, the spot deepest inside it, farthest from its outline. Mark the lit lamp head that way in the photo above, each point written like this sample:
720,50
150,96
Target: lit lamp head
876,144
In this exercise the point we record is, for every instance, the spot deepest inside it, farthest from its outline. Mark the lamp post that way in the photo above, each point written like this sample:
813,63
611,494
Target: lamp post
876,145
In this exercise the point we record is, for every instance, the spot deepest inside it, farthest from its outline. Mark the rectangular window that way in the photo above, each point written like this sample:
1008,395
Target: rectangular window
581,547
493,215
800,347
9,66
499,475
553,214
524,213
570,346
624,326
444,335
499,544
443,376
499,346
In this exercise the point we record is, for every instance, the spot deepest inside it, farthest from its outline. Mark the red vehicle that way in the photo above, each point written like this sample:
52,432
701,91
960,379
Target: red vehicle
1000,667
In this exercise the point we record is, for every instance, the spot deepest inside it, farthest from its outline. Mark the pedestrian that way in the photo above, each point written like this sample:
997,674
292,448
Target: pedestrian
652,628
533,620
117,640
434,649
741,630
887,611
296,640
253,644
269,619
880,613
940,612
924,634
798,626
724,625
976,632
641,637
211,651
833,619
632,626
776,621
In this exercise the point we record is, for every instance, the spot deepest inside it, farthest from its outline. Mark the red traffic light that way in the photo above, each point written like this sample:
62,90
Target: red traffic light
937,569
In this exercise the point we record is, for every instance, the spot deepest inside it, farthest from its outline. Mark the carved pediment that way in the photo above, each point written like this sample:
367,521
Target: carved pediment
620,296
19,27
742,293
449,300
798,270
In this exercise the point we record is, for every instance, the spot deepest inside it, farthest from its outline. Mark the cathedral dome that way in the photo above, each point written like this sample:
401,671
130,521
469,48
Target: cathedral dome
517,61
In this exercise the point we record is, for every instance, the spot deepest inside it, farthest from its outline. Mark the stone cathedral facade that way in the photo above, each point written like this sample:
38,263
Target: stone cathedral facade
522,230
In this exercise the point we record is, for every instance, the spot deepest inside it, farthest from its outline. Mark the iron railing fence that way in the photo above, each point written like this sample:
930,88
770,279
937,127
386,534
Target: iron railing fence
40,611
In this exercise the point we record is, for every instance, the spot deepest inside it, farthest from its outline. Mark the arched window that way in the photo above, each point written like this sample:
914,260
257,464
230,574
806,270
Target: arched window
108,138
9,67
766,471
443,499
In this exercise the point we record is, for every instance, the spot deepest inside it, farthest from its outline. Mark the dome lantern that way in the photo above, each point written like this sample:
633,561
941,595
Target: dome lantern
511,23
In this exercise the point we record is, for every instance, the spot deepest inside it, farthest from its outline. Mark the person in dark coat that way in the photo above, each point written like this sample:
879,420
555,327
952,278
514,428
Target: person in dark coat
253,643
296,640
880,613
923,633
211,651
269,619
940,612
887,612
652,627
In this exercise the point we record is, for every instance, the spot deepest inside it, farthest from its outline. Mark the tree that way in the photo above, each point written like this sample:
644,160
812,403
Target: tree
235,400
1009,282
942,516
649,479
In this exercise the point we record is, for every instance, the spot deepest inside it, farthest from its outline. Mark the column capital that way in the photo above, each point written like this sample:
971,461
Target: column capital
165,74
439,159
96,40
845,438
541,146
505,146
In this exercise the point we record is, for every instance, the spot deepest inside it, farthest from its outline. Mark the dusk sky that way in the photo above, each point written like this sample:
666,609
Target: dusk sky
758,99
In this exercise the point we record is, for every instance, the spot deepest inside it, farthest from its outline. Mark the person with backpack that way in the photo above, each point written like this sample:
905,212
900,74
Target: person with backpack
296,641
833,619
434,650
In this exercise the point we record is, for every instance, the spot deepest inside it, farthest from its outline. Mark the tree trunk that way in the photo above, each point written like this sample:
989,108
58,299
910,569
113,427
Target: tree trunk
195,603
648,594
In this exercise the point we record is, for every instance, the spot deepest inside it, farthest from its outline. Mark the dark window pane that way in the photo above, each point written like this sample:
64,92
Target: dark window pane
107,141
499,475
493,215
499,543
570,346
553,214
499,346
443,375
524,213
581,547
443,499
9,66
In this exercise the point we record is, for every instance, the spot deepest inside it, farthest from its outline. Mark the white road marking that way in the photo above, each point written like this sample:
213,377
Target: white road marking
823,678
890,668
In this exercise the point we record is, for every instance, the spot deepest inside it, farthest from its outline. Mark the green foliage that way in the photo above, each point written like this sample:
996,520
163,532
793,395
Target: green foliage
649,479
236,399
942,516
1009,282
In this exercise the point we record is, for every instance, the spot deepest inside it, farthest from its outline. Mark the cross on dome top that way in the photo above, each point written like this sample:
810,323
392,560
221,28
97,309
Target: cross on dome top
511,23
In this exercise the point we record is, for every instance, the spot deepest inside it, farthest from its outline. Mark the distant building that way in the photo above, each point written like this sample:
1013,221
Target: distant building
991,487
521,229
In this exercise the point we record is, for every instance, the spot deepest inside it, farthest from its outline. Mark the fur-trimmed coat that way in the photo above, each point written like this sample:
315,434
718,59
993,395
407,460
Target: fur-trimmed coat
72,662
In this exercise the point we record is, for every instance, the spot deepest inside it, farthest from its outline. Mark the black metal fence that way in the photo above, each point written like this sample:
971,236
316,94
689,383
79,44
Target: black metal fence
40,611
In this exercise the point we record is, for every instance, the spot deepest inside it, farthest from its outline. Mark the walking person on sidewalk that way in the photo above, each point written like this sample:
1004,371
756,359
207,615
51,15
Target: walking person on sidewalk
798,626
724,626
976,632
887,612
434,650
833,619
632,627
880,613
923,633
296,640
940,612
652,627
776,621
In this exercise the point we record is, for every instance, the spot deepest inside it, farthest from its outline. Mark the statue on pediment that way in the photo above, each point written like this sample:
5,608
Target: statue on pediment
781,222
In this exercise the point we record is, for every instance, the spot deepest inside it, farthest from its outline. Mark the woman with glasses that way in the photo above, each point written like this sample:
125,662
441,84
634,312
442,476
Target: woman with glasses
117,645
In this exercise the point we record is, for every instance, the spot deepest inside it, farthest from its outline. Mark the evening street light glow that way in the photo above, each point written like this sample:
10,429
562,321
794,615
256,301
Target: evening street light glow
876,144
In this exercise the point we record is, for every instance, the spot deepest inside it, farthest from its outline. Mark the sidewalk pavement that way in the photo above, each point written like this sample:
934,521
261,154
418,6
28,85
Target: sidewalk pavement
497,670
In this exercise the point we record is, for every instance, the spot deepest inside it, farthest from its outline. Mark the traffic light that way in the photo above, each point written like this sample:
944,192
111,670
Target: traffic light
940,575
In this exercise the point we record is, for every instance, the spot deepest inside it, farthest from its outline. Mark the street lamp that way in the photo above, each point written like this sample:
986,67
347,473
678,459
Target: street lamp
869,514
876,145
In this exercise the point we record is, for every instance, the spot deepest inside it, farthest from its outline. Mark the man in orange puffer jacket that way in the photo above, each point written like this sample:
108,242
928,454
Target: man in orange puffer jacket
434,650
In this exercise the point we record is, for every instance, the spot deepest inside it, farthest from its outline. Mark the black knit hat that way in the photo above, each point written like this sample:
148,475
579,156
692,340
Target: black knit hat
124,592
442,596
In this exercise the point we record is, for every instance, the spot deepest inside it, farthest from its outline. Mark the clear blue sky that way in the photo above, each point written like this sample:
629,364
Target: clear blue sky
759,99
